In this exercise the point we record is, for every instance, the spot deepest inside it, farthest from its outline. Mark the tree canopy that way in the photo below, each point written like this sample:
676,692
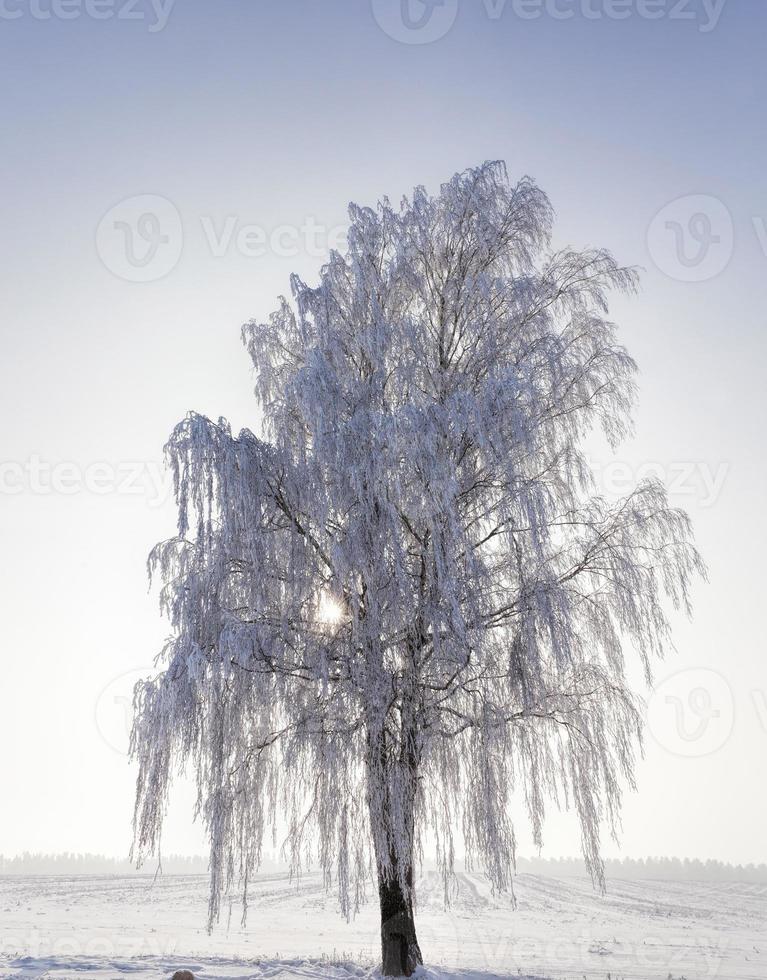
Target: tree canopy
402,602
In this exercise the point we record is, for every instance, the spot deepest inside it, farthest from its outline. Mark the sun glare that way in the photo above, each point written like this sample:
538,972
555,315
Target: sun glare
329,611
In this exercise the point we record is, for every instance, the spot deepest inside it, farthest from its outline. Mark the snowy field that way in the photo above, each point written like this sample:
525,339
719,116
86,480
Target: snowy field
108,928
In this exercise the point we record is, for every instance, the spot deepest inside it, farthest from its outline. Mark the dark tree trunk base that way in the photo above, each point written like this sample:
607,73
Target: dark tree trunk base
399,945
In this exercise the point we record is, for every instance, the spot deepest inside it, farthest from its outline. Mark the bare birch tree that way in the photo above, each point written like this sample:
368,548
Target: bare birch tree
403,601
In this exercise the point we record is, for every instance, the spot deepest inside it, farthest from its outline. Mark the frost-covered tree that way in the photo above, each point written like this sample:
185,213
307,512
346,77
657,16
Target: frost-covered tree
403,602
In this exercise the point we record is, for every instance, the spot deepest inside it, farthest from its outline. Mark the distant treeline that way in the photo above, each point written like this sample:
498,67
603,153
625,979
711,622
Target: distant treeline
97,864
674,869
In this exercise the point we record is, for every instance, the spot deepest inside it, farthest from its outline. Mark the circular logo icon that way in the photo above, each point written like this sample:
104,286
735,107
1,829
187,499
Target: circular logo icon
141,238
691,713
114,708
415,21
692,238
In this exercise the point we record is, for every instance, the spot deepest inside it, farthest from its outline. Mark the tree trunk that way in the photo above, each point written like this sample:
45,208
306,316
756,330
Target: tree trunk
399,945
393,776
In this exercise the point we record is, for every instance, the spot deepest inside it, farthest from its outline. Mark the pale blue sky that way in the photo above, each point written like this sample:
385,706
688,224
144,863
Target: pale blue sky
274,113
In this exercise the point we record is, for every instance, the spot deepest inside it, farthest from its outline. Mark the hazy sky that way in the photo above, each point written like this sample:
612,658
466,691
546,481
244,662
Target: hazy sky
165,168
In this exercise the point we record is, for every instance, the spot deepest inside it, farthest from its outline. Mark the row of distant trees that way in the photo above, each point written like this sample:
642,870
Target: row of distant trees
675,869
69,863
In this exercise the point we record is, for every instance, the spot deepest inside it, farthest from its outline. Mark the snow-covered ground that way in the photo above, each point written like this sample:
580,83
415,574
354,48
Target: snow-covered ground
109,928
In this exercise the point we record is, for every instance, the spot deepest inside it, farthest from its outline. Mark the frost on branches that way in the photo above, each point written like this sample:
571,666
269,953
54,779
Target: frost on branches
403,603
